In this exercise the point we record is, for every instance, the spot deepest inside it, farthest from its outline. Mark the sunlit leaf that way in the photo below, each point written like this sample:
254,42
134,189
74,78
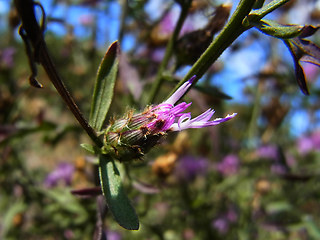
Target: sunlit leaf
114,193
103,90
90,148
277,30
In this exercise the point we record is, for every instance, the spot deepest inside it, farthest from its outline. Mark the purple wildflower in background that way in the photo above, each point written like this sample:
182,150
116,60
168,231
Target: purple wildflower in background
113,235
136,134
309,143
222,223
6,57
62,174
188,168
278,169
229,165
168,24
268,151
305,145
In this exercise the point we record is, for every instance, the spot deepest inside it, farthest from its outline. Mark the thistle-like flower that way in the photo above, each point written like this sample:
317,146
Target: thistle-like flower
136,134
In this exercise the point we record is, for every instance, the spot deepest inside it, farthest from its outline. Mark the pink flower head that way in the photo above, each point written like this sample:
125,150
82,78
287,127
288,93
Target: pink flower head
136,134
175,120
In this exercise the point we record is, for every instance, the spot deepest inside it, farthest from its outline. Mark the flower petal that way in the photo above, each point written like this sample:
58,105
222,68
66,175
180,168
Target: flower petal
180,91
205,116
201,121
179,108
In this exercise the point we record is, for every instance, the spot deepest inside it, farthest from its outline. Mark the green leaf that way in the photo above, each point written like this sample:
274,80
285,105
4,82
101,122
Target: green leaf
116,198
103,90
13,209
256,15
311,227
277,30
90,148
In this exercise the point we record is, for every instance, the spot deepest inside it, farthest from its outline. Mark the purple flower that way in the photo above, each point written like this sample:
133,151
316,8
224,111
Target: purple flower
168,24
311,71
268,151
63,173
305,145
189,167
316,139
231,215
229,165
173,118
112,235
6,57
221,225
278,169
134,135
309,143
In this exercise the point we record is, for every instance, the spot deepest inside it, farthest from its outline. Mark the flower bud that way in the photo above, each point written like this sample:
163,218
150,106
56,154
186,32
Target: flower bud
131,137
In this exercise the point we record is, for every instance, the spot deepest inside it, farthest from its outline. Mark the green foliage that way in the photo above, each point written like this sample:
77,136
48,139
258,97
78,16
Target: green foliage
103,90
277,30
116,198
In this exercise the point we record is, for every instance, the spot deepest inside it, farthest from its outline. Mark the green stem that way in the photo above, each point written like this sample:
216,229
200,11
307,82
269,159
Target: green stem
262,12
169,49
230,32
124,7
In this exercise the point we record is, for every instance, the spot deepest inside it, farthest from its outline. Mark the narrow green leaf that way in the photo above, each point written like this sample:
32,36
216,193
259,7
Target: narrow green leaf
90,148
116,198
13,209
312,228
103,90
277,30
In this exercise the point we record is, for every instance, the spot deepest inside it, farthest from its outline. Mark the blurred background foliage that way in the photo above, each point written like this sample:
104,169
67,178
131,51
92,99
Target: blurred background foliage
255,177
